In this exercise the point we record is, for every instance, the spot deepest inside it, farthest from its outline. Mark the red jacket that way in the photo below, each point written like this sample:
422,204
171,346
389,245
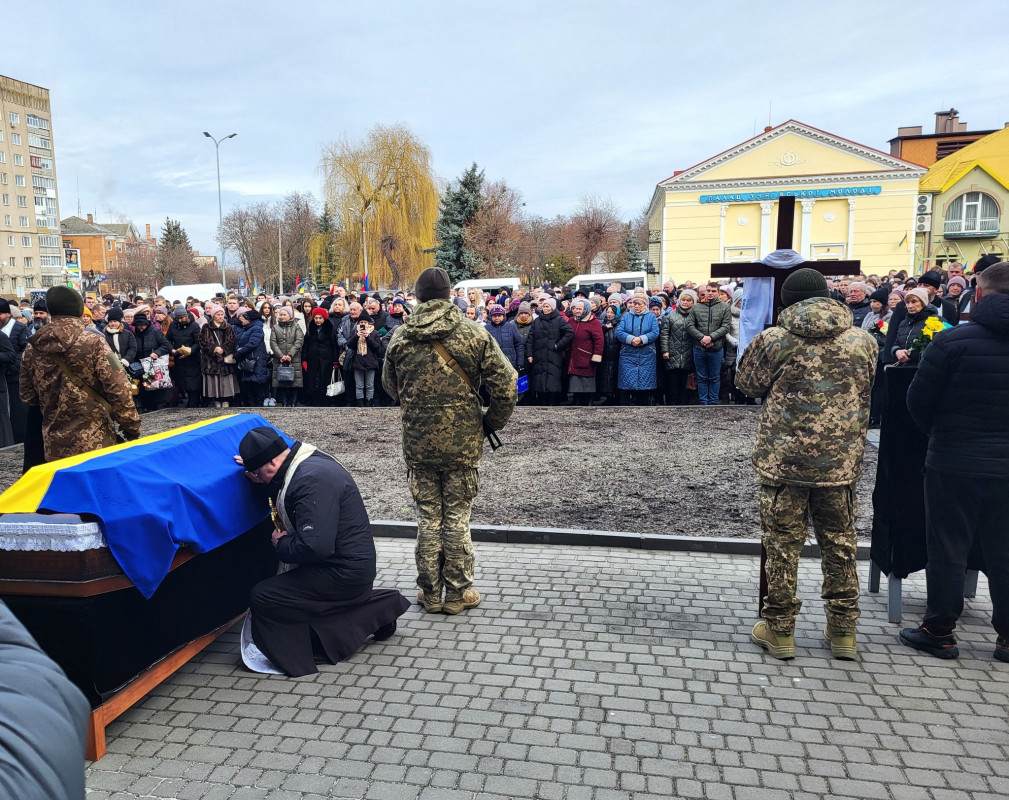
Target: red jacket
588,342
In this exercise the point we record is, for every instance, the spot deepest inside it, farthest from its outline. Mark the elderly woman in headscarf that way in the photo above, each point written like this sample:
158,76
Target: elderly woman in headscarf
638,332
586,352
677,349
548,346
286,342
217,345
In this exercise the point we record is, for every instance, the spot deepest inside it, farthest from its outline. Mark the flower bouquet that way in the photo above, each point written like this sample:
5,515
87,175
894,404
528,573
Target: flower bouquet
933,325
882,326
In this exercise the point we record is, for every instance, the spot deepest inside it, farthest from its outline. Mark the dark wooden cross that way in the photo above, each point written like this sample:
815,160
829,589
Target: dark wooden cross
754,269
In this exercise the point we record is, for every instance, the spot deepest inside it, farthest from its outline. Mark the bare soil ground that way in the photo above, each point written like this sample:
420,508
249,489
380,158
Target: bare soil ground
679,471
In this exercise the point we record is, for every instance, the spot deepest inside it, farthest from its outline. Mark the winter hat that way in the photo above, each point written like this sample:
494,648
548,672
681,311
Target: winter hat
259,446
545,298
689,293
320,312
140,318
921,294
213,310
180,313
655,301
63,301
5,306
433,284
899,292
737,295
114,314
196,311
803,284
251,315
955,281
40,304
615,299
496,309
399,301
525,307
987,260
26,313
931,278
880,296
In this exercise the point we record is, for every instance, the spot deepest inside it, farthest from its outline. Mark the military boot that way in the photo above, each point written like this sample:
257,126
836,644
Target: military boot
779,645
432,603
841,641
469,599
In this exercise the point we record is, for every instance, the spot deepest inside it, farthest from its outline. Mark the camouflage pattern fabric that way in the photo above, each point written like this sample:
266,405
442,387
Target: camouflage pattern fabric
72,422
442,417
815,373
784,511
444,550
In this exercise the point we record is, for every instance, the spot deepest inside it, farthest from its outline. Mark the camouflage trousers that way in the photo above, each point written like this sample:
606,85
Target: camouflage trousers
784,513
444,548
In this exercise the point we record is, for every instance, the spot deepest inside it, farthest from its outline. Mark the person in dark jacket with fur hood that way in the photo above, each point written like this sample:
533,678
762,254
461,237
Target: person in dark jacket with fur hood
549,342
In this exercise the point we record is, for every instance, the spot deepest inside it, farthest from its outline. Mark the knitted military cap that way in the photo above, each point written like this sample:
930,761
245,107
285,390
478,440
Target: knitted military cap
432,284
259,446
803,284
64,301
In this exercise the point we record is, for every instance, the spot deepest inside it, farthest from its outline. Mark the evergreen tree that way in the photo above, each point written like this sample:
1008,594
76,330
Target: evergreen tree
459,206
632,252
175,255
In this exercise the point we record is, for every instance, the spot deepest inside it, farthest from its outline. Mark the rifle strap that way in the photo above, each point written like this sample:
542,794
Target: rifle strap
453,365
76,381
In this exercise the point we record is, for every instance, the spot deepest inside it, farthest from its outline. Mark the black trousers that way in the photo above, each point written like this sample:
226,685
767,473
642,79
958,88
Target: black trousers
958,509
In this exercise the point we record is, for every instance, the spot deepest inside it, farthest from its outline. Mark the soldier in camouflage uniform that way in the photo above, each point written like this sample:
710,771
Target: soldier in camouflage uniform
443,433
815,374
73,422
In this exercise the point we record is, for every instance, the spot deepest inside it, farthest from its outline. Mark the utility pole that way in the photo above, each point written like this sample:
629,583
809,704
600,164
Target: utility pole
280,262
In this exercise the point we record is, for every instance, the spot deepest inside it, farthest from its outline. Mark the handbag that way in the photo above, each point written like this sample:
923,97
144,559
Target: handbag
248,364
336,386
229,358
692,381
285,373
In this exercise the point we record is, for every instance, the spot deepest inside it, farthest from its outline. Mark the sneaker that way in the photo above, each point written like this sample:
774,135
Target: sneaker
273,402
779,645
224,404
1002,649
266,403
926,641
432,605
470,599
385,632
842,642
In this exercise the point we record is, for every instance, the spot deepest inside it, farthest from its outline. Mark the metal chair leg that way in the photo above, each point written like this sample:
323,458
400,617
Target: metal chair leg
893,599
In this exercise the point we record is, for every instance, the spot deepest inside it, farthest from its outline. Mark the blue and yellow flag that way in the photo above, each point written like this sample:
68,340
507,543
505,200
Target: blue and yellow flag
154,494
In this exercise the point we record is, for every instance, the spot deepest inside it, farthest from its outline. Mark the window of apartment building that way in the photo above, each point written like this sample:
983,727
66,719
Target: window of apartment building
41,182
48,240
40,203
14,262
119,247
15,138
10,241
28,262
1,136
26,241
29,280
24,222
19,160
38,141
14,117
52,261
7,219
3,178
22,201
19,180
68,244
7,199
110,266
37,122
3,157
109,243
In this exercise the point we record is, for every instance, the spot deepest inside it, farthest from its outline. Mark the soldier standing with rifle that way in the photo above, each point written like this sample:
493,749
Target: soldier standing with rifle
435,366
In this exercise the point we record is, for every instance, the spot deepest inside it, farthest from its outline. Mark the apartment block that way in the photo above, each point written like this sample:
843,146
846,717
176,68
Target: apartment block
31,253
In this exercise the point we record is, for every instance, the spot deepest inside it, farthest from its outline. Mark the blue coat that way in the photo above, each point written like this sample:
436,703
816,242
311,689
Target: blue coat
636,371
509,340
249,340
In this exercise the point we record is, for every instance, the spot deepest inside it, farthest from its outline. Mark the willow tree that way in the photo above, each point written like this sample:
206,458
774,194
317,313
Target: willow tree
385,181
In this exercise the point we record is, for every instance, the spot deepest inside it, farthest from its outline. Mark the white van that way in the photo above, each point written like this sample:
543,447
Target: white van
201,291
600,282
489,284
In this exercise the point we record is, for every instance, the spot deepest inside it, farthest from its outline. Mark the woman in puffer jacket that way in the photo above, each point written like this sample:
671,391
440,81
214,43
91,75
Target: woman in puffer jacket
638,333
677,348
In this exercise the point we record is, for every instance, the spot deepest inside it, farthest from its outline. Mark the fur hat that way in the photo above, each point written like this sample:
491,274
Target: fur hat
259,446
433,284
803,284
320,312
140,318
655,301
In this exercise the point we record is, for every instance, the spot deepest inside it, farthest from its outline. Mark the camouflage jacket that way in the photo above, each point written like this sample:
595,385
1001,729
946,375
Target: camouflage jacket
815,373
442,427
72,422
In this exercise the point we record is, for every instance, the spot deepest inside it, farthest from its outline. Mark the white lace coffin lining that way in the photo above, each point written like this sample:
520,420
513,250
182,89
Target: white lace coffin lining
62,533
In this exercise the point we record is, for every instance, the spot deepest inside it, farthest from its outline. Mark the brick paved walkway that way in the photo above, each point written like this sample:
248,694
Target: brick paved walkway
588,674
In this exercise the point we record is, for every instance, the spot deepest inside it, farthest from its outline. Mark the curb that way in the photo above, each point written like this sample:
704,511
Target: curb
570,537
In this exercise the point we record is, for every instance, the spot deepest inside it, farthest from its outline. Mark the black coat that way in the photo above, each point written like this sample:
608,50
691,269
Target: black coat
548,345
908,331
606,375
151,340
950,313
127,345
185,336
960,394
319,351
858,312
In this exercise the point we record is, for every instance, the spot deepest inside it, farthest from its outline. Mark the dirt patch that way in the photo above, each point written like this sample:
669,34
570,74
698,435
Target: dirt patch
677,471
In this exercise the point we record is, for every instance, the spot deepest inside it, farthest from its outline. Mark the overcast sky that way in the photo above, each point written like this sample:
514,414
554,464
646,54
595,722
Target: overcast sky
557,98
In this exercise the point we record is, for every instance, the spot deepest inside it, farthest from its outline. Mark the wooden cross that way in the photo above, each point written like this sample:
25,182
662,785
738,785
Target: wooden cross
754,269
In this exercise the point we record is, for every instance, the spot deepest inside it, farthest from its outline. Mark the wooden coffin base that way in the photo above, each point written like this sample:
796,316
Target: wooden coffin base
137,688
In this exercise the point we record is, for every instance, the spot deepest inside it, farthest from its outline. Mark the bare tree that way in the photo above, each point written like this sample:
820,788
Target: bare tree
495,231
596,227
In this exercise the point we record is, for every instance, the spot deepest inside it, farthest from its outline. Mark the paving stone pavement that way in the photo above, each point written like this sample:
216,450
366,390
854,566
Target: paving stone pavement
587,674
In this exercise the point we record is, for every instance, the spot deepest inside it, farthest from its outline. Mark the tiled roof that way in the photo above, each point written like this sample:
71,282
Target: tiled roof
990,154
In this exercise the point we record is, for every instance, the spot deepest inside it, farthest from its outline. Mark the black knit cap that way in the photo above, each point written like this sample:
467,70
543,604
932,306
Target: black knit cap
5,306
880,296
803,284
432,284
987,260
931,278
64,301
140,318
114,313
40,305
259,446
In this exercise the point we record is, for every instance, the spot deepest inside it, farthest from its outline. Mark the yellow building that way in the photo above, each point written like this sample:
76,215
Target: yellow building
853,202
964,201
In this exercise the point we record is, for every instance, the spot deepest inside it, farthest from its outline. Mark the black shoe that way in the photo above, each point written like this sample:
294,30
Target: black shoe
385,632
938,646
1002,649
873,423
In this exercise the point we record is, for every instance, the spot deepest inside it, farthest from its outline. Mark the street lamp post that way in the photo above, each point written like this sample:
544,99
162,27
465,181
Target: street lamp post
220,208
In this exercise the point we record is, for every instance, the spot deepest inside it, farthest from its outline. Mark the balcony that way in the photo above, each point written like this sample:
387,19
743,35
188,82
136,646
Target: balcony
971,228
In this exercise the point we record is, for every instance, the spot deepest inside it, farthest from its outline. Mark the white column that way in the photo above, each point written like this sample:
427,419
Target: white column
721,233
806,231
850,249
662,240
765,228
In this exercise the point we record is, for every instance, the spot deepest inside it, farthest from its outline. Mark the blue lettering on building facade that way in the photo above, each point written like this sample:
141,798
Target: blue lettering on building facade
749,197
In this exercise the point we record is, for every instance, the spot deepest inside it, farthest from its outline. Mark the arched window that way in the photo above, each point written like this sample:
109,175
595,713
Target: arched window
972,214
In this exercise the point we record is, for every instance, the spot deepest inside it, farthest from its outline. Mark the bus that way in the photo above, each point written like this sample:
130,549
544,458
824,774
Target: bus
600,282
489,284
